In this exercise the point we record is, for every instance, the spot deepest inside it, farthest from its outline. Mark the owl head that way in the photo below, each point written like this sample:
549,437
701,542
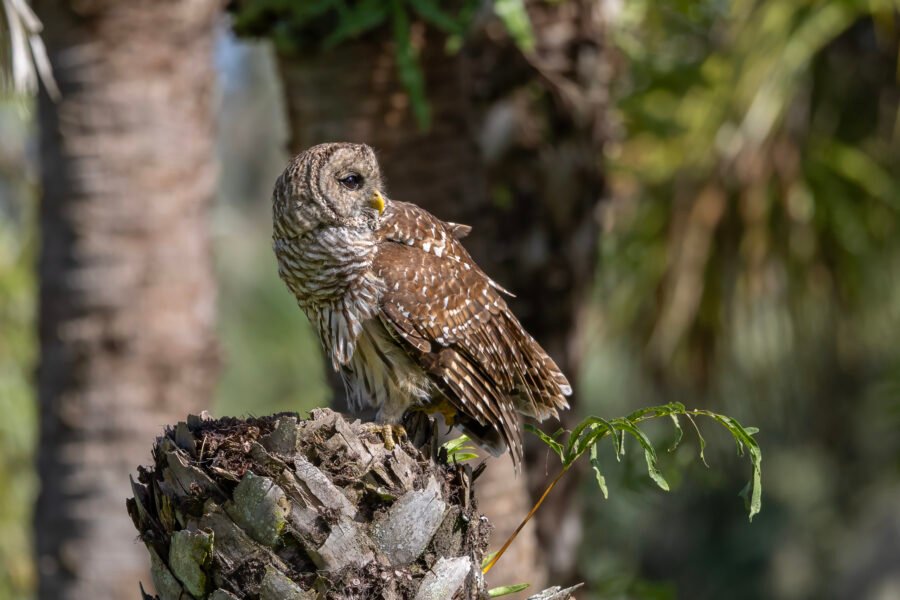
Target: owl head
330,185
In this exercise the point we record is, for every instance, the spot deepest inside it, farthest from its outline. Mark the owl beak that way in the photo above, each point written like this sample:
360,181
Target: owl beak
377,201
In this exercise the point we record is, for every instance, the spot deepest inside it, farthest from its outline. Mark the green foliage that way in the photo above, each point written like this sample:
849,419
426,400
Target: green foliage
748,265
756,174
323,24
569,446
517,22
459,450
505,590
586,436
18,290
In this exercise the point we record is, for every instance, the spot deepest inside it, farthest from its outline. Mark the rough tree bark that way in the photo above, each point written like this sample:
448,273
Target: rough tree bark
286,509
126,287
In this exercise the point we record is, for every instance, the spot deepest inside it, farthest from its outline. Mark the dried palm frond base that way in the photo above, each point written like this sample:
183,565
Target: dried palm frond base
287,508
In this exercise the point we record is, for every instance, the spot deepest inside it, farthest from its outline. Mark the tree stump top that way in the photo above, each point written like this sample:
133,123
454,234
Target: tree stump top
282,507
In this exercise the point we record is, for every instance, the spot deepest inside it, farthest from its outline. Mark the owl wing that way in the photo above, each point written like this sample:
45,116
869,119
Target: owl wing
452,319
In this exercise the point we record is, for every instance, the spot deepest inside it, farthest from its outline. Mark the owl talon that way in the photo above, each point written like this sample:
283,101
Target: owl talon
394,434
390,433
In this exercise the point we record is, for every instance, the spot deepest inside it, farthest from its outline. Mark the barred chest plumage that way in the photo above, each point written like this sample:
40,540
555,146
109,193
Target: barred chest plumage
329,271
324,265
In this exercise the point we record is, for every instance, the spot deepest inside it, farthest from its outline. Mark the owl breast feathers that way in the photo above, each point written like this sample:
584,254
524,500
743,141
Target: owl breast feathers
401,308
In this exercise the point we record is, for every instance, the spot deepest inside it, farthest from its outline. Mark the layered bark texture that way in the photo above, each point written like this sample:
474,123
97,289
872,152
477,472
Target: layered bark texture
127,294
284,508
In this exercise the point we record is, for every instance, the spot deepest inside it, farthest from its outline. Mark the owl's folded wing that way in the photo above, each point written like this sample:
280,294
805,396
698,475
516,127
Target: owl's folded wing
458,327
427,304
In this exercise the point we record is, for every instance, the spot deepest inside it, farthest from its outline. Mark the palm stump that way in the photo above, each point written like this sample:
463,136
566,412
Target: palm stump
284,508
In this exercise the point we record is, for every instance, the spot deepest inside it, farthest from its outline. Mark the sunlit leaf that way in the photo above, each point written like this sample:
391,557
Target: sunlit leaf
461,457
587,435
745,439
584,435
700,440
455,444
679,433
662,410
518,23
506,590
649,452
601,480
551,443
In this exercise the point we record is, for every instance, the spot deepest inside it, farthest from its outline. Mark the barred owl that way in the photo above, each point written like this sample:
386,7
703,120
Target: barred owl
401,309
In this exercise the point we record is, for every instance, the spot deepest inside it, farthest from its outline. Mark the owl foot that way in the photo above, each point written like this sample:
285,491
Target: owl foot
446,410
390,433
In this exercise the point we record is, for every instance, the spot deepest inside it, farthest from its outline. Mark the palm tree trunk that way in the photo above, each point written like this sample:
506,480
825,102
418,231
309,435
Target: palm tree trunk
127,294
514,149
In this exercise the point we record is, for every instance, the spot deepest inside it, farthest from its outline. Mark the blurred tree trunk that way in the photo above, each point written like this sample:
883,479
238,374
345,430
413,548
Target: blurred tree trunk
127,296
541,122
514,149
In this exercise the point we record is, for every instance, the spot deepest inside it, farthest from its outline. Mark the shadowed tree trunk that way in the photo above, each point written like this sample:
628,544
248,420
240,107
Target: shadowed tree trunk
541,121
515,150
285,509
126,288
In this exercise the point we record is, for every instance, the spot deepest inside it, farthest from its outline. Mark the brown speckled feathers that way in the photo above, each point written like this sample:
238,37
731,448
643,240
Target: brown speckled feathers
456,323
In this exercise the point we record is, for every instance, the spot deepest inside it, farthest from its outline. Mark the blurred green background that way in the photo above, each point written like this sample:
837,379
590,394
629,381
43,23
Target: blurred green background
749,263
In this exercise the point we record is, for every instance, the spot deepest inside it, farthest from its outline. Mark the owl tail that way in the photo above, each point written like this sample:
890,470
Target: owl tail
484,436
495,440
542,388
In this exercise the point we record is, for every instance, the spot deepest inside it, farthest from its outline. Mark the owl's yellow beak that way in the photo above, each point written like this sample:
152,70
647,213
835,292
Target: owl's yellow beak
377,201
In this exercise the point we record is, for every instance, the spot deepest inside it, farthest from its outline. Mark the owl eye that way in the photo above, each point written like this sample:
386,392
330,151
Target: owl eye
353,181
